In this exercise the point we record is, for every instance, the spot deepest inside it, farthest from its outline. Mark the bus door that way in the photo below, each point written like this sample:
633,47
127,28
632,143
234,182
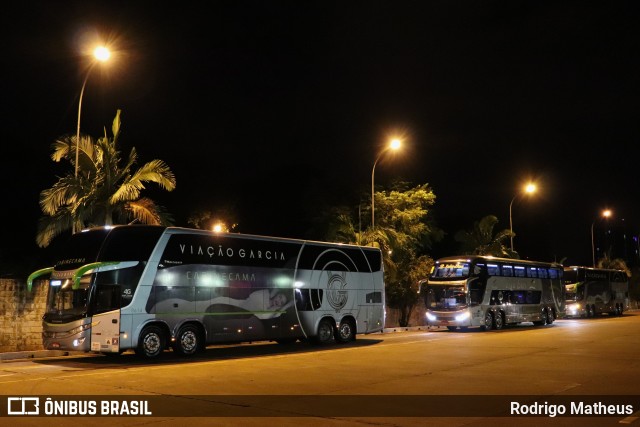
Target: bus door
105,323
105,332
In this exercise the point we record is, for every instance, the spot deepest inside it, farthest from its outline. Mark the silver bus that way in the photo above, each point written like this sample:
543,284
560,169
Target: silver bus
595,291
151,288
489,292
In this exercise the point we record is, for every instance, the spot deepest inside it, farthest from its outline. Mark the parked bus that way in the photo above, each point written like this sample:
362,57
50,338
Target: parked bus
594,291
491,292
150,288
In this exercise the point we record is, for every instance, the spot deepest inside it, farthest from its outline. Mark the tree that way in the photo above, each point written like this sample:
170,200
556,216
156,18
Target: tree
613,263
208,219
105,191
404,230
481,240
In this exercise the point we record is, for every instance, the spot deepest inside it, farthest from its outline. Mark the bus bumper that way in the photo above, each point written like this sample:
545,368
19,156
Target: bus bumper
74,336
449,319
574,310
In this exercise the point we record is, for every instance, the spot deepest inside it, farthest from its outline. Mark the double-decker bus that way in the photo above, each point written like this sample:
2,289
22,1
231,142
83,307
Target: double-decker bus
489,292
151,288
594,291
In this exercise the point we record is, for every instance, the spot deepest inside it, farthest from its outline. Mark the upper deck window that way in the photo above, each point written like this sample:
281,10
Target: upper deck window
451,270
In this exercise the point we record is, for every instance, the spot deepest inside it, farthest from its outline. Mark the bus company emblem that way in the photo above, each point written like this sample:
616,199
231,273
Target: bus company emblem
337,295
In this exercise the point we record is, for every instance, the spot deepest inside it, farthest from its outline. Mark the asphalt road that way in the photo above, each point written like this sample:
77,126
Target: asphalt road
418,378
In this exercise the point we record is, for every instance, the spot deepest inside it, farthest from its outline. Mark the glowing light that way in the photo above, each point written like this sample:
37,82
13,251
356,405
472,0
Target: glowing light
101,53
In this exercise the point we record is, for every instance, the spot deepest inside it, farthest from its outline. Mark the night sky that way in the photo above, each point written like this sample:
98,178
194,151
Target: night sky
274,109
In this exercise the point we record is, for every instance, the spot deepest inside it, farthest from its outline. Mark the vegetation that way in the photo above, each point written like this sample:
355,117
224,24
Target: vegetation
404,231
105,191
481,240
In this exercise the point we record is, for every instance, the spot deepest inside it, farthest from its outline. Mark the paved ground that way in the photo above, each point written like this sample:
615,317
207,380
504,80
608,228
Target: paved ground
39,354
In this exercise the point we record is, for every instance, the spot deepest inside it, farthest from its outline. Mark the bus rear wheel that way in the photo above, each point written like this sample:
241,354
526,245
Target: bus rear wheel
325,332
188,340
346,332
151,342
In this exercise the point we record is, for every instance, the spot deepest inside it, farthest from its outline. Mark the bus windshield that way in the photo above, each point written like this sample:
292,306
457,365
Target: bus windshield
574,293
64,303
446,297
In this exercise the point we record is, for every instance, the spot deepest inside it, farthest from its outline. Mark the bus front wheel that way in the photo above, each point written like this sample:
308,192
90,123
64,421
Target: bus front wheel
498,321
488,321
588,311
188,340
151,342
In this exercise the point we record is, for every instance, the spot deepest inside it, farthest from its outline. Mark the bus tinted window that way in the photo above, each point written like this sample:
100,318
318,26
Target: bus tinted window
119,247
493,269
532,272
519,271
507,270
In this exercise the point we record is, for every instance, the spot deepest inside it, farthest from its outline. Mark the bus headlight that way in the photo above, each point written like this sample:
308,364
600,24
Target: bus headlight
431,317
573,309
462,316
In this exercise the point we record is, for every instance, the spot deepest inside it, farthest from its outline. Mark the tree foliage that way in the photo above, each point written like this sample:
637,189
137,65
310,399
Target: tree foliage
404,230
481,239
613,264
107,189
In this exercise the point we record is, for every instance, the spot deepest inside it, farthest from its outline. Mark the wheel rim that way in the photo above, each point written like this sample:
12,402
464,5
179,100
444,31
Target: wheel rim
189,341
488,321
345,331
499,321
151,343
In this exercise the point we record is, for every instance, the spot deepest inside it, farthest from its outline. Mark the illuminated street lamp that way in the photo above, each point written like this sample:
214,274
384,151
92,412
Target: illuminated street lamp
394,145
100,54
605,214
530,188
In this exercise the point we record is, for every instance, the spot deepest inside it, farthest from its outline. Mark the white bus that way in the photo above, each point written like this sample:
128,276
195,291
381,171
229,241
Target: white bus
491,292
150,288
594,291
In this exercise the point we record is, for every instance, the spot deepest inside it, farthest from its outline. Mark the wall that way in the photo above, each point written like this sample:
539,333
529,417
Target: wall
21,315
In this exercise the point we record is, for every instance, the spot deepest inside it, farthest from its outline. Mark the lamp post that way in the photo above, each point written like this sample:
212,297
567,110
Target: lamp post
528,189
605,214
100,54
393,145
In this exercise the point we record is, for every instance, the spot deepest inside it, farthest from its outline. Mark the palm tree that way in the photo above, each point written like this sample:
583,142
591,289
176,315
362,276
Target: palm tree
481,240
104,191
614,263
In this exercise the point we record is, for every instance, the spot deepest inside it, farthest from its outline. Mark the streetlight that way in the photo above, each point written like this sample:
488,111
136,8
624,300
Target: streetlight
605,214
530,188
100,54
394,144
